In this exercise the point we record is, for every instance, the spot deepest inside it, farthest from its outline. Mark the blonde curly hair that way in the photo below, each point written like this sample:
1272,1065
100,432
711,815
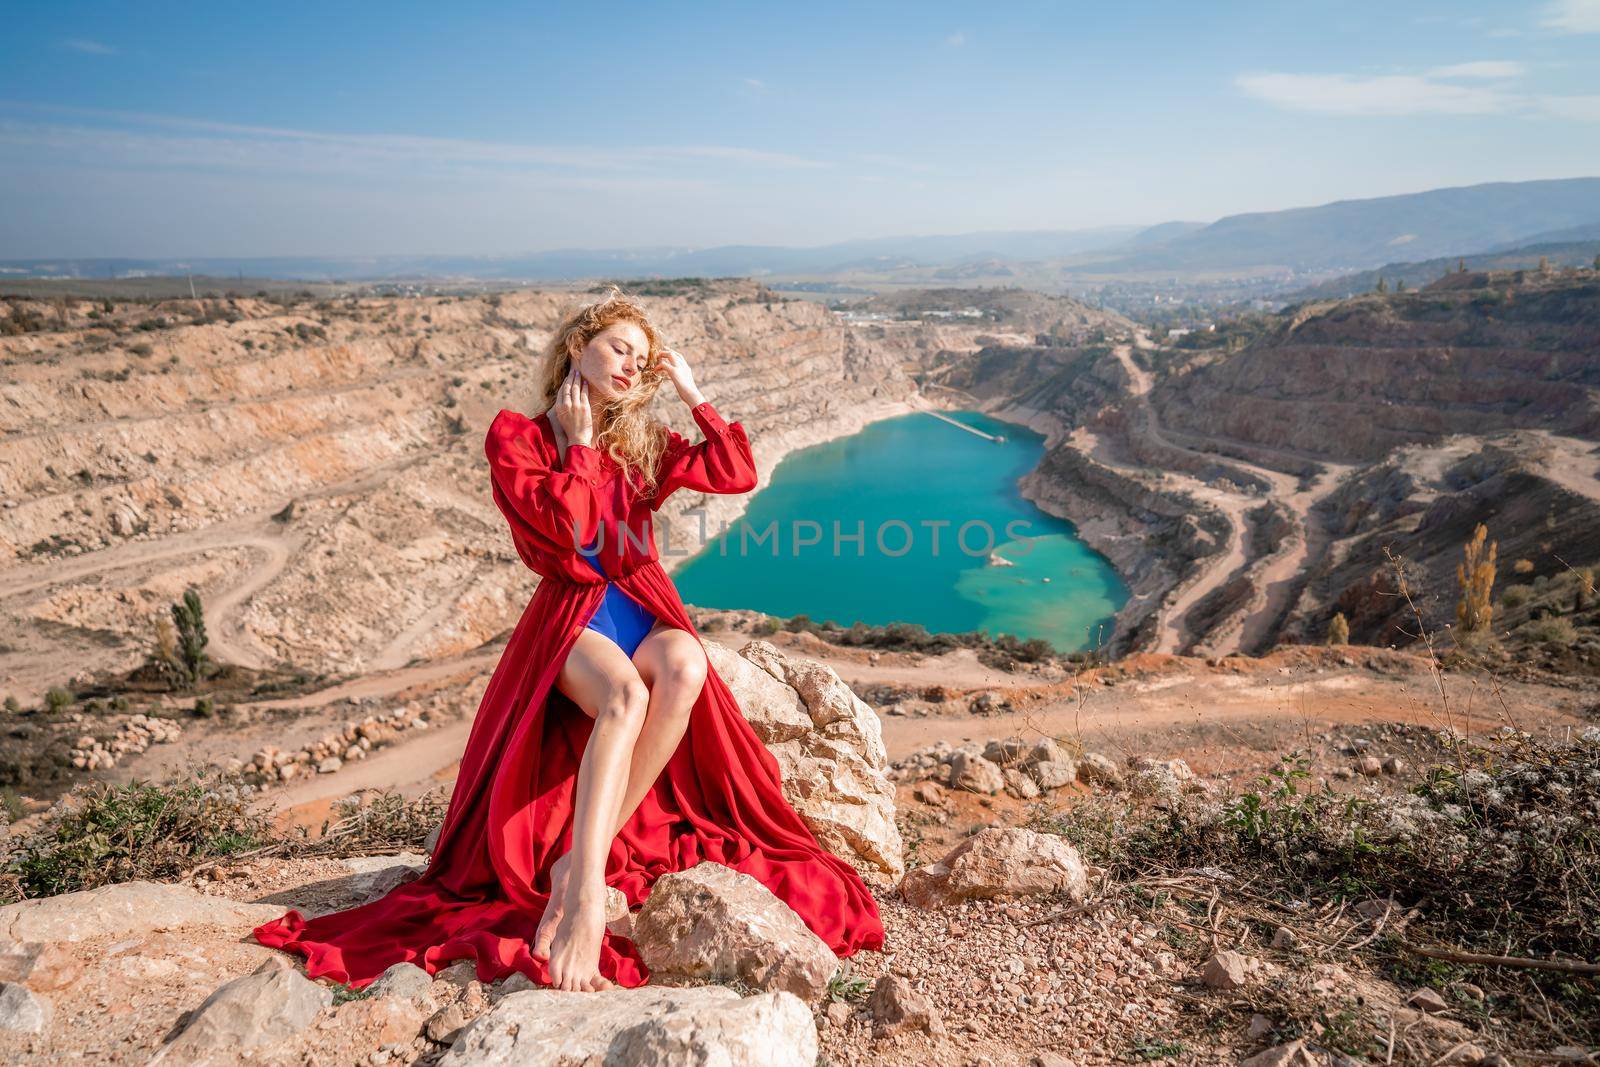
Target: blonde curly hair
624,427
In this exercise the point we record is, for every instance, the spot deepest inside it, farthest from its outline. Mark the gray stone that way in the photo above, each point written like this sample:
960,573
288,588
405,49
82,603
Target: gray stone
1053,774
1096,769
1048,750
1006,751
975,774
22,1011
247,1013
1019,785
406,981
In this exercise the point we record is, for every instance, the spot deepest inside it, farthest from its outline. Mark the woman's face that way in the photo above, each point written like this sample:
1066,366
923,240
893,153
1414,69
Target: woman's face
614,360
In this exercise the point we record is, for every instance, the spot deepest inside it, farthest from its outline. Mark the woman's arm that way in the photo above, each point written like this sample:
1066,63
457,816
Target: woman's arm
558,504
722,463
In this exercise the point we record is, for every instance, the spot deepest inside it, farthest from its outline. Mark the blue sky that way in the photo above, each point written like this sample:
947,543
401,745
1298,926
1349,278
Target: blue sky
363,129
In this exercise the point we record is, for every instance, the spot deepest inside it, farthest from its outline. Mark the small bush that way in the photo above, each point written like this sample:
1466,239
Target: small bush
1551,630
117,833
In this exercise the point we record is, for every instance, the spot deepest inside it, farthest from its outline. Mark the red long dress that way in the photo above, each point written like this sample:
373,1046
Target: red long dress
510,816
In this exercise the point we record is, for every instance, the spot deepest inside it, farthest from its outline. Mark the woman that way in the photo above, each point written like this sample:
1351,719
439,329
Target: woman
606,750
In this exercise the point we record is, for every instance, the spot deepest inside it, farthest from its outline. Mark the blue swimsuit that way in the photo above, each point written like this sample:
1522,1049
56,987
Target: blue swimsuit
619,616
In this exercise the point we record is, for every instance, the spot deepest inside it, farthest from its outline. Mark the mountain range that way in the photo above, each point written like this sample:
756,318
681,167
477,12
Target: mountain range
1344,236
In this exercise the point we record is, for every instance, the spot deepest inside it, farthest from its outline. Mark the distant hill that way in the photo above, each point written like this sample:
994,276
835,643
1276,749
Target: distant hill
1417,275
560,264
1359,234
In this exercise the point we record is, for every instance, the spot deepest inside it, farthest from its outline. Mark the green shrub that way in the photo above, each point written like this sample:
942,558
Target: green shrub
117,833
1551,630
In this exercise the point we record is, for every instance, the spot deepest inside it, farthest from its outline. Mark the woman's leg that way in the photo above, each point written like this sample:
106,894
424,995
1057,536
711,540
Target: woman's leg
601,680
672,664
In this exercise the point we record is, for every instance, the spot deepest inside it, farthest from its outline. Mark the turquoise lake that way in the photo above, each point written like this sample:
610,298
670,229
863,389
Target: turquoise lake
895,483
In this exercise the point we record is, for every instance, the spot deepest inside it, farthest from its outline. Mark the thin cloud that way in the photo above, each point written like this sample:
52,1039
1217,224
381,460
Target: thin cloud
1438,92
1385,94
1572,16
88,47
956,40
143,139
1486,68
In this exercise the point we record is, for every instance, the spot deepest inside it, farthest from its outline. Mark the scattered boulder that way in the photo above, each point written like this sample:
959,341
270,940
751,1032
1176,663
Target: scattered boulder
1005,752
896,1005
975,774
649,1026
989,702
247,1013
1369,766
403,981
1019,785
1427,1000
711,921
1284,939
1049,750
998,863
1053,774
931,793
1095,769
1294,1054
1226,970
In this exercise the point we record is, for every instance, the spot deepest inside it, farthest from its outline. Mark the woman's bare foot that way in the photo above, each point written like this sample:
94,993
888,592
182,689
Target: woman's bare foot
575,949
554,909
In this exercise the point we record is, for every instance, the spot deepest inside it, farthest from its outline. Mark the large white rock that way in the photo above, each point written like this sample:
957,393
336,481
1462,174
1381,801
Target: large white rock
711,921
829,747
126,908
998,863
650,1026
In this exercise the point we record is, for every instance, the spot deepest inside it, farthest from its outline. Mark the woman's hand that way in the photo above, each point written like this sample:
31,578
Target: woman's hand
677,369
572,409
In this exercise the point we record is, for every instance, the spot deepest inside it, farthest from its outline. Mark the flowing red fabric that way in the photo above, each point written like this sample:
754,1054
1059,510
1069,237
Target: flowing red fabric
510,816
